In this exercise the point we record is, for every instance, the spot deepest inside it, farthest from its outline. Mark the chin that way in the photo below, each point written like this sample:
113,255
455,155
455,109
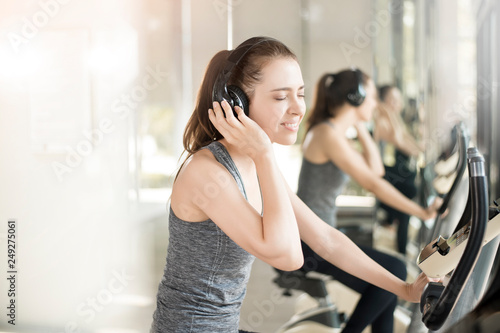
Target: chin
286,141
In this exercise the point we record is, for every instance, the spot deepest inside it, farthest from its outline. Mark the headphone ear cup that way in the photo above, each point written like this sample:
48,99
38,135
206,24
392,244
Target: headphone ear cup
356,98
238,98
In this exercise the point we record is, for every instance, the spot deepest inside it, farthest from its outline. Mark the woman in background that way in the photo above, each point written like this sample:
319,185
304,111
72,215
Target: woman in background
344,100
401,172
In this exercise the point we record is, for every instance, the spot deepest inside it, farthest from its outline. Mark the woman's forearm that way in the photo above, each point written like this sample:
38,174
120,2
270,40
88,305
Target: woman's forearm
340,251
335,247
370,152
279,224
389,195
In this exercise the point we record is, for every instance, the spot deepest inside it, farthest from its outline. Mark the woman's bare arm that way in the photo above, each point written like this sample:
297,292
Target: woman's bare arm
340,251
352,163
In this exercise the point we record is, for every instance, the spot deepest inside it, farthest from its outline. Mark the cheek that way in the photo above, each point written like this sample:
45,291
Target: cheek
368,111
373,105
261,119
265,117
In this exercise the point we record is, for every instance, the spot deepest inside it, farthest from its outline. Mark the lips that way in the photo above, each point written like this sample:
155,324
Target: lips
291,126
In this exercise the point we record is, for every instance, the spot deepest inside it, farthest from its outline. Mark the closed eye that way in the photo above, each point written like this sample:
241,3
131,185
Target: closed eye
301,92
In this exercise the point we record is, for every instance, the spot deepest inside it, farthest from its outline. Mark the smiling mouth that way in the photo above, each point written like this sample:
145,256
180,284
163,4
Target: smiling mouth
291,126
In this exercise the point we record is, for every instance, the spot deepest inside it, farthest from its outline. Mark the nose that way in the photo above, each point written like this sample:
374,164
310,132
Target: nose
297,106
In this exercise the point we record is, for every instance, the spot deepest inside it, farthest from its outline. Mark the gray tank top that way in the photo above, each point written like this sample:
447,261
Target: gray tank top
319,186
206,273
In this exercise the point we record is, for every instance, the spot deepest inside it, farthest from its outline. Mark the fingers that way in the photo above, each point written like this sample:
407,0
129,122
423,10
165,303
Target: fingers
218,110
431,213
435,207
437,202
222,117
242,117
435,279
216,116
239,112
228,111
224,110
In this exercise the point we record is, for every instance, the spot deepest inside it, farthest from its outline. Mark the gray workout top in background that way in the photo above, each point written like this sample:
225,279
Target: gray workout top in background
319,186
206,274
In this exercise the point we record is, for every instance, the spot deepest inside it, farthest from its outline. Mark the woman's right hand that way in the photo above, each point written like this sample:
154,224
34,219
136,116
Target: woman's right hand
432,210
242,132
414,290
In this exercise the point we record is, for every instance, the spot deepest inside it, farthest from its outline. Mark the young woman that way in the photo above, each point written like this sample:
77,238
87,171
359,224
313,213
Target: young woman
345,100
389,125
390,129
230,203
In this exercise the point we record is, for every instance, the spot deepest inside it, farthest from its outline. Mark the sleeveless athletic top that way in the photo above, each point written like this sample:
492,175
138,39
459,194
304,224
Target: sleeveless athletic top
206,273
319,185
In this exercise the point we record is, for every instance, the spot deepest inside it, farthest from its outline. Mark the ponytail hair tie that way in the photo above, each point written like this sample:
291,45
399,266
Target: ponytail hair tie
329,80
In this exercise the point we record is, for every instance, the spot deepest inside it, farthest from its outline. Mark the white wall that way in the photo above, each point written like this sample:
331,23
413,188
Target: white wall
75,228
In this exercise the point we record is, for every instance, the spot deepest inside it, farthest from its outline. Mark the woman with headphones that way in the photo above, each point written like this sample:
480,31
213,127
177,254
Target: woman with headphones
345,100
230,203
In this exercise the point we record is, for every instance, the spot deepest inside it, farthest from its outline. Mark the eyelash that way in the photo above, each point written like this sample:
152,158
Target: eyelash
283,98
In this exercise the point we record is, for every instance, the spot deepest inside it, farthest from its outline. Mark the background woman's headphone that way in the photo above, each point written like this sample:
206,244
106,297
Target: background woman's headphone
357,96
233,94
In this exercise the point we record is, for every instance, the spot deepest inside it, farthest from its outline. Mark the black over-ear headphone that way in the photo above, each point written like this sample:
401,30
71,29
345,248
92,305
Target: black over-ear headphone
356,96
233,94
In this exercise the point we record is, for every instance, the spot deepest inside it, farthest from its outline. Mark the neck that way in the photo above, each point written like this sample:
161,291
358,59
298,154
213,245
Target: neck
235,153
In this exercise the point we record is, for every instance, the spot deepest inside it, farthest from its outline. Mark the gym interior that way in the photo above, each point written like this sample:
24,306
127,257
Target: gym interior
88,160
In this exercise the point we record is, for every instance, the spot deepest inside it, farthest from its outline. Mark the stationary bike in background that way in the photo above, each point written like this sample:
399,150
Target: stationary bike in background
463,260
485,317
325,317
447,179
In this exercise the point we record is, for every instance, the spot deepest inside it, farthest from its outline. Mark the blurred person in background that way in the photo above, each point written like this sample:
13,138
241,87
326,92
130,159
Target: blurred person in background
344,100
400,167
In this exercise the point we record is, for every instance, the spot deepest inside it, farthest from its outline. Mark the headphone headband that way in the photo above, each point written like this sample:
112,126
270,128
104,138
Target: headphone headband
239,52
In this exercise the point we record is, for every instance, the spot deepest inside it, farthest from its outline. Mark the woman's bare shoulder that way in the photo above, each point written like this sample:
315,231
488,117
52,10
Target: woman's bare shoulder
198,164
188,188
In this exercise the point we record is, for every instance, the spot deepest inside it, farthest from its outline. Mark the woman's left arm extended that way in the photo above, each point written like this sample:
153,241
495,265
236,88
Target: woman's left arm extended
340,251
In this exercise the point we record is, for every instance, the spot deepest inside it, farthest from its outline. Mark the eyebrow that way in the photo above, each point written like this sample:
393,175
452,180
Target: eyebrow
287,88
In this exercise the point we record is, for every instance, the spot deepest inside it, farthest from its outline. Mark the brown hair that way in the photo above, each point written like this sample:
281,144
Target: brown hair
331,92
384,90
246,74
